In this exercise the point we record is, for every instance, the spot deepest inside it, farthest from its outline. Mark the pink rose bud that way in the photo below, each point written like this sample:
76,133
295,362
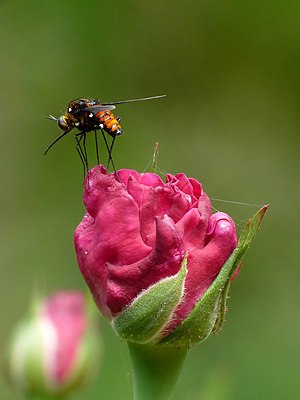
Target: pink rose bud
150,251
55,348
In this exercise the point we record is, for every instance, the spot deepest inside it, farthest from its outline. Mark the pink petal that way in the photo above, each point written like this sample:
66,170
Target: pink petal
205,264
158,203
126,174
150,179
66,310
126,282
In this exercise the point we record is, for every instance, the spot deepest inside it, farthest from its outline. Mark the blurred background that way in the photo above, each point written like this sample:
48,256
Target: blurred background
230,119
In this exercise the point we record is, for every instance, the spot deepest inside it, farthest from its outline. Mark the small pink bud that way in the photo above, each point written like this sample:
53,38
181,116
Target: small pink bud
54,349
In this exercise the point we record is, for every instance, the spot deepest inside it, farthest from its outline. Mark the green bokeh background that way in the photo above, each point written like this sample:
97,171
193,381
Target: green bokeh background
231,119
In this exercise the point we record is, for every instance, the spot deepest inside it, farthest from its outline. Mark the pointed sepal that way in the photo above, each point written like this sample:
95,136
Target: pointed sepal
144,319
208,314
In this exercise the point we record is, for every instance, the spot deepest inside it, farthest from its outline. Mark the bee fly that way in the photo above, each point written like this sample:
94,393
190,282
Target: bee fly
90,116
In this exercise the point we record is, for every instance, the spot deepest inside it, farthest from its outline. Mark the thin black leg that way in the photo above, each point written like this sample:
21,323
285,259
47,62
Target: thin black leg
108,150
82,160
85,151
81,153
97,150
110,159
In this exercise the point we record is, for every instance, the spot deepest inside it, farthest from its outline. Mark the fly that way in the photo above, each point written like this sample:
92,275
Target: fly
91,116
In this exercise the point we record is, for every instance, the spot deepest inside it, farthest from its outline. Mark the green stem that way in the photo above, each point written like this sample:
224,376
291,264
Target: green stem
155,370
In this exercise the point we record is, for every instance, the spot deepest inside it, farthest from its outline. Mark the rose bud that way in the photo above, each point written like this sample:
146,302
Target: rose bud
54,349
155,258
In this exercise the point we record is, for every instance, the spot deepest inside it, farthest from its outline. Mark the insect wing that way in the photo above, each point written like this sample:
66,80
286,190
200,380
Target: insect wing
133,100
100,107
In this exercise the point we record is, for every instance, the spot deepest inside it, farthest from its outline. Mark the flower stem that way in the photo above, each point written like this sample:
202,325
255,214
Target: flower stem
155,370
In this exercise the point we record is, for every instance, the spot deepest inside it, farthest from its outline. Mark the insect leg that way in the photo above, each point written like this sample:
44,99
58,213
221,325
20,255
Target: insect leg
82,161
79,146
97,150
80,152
109,149
110,159
110,153
85,151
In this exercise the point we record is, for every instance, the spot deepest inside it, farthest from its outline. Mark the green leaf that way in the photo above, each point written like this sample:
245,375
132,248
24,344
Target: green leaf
142,321
208,314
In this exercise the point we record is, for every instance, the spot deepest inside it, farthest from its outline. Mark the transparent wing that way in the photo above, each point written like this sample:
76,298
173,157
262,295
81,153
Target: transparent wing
98,107
132,100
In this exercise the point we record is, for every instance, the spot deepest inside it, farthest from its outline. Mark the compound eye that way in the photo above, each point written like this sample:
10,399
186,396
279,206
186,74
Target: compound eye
62,123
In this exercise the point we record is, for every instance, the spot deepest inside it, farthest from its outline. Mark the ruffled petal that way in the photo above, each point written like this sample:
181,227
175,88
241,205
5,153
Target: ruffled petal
137,232
204,264
126,282
158,204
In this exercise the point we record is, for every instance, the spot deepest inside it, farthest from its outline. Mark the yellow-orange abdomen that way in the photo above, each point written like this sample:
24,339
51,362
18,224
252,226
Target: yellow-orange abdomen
110,123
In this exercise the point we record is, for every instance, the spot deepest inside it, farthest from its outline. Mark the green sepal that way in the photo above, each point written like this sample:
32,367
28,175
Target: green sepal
222,308
144,319
24,362
208,314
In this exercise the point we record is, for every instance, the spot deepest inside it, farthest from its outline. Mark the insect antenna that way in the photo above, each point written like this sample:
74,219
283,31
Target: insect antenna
51,117
55,140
